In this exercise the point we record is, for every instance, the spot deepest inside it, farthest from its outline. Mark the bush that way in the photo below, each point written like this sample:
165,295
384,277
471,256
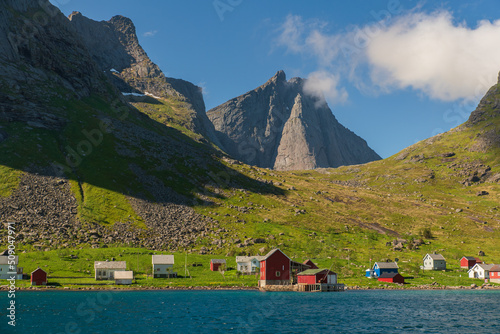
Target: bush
426,233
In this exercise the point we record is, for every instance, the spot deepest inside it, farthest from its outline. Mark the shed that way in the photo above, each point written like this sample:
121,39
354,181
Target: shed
315,276
392,278
434,262
495,274
216,263
275,269
468,262
311,264
124,277
163,266
39,277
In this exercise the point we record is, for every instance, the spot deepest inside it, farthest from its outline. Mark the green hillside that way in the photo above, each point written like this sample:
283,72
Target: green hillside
343,216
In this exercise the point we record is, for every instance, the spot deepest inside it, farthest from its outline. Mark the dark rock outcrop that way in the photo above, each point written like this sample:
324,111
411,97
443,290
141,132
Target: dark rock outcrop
280,126
489,106
40,53
115,47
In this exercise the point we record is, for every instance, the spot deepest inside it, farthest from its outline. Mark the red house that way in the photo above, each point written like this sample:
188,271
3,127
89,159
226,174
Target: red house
391,278
274,269
39,277
315,276
468,262
216,263
310,264
495,274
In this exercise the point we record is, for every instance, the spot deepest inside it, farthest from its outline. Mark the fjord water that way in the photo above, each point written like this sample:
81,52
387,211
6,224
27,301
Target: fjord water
438,311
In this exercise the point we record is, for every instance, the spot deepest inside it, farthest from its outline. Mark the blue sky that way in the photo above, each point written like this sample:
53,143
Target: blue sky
394,72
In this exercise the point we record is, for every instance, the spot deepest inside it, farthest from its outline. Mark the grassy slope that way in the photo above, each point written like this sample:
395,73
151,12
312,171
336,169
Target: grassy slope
319,217
63,270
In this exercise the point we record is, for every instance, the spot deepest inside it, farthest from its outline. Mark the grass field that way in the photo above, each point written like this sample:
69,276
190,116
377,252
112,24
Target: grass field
64,270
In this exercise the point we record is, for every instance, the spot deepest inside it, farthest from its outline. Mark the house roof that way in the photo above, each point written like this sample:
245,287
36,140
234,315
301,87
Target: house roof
436,256
386,265
163,259
124,275
272,252
470,258
248,258
38,270
388,275
110,264
5,259
483,266
496,267
315,271
218,261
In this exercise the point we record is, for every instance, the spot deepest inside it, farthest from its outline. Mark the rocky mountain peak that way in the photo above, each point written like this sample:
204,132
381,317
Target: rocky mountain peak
115,47
279,77
297,107
280,126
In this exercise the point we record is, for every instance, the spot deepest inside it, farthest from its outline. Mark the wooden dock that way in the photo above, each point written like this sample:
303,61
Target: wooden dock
320,287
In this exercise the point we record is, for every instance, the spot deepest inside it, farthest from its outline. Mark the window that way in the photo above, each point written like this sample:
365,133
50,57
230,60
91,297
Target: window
278,274
158,269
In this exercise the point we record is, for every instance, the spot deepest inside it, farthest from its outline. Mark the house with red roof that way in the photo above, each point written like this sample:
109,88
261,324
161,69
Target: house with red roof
39,277
311,264
468,262
275,269
391,278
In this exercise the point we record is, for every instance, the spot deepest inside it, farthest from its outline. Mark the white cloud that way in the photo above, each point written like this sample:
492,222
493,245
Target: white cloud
291,34
204,90
150,33
324,84
432,54
426,52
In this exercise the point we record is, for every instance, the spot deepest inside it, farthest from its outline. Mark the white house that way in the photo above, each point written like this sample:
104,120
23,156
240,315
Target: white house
124,277
163,266
248,264
104,270
480,271
9,268
434,262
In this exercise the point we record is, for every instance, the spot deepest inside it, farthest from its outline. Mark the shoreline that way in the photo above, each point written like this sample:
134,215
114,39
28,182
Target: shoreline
234,288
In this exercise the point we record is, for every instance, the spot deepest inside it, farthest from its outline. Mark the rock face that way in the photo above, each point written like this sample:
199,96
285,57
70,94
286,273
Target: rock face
115,48
280,126
40,51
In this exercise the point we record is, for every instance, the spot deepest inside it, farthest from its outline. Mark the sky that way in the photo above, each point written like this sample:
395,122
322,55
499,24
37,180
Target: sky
394,72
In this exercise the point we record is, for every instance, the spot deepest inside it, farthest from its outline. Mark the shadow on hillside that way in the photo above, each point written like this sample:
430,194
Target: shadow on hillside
154,162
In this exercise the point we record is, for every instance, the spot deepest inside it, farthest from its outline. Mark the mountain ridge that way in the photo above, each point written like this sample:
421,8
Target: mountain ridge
115,47
251,129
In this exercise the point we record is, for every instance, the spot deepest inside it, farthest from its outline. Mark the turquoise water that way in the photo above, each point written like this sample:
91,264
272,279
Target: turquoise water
254,312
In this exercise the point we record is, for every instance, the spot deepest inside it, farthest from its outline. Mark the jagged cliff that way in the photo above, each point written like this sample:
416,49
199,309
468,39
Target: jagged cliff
39,52
115,48
279,126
